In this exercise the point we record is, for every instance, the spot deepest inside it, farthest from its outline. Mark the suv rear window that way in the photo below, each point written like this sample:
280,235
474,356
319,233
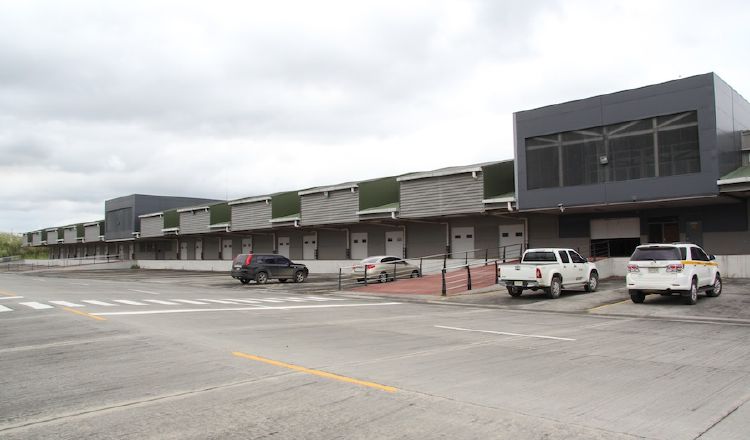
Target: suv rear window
540,256
656,254
240,258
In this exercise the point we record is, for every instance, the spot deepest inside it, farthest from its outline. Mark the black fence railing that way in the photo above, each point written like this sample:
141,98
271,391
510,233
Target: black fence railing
386,271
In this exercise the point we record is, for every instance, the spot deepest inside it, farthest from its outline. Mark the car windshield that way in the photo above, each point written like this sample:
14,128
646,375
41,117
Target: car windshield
539,256
656,254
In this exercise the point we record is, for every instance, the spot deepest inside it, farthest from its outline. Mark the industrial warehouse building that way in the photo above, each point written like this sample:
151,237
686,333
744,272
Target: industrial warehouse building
663,163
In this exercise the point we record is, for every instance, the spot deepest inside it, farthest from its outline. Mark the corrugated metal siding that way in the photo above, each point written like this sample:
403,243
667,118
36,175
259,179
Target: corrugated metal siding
194,222
251,216
91,233
152,226
70,236
339,207
52,237
454,194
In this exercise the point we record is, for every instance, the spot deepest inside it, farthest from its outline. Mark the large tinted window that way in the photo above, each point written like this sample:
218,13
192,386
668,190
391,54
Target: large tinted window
539,256
543,162
656,254
660,146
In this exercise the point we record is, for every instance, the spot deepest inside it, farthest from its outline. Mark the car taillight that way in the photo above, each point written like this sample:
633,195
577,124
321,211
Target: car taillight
248,259
538,272
369,266
675,267
633,268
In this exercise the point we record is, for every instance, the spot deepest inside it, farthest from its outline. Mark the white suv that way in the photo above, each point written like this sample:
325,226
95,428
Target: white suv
672,268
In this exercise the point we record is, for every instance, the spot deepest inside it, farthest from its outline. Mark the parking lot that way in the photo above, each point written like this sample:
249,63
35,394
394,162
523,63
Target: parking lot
170,354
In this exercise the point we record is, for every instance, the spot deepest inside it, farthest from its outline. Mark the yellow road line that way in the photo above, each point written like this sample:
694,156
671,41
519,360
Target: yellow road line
88,315
316,372
4,293
607,305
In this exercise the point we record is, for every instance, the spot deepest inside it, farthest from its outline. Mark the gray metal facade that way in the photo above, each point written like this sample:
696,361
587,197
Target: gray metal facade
36,239
194,222
91,233
721,113
336,207
52,237
249,216
152,226
70,235
122,214
443,195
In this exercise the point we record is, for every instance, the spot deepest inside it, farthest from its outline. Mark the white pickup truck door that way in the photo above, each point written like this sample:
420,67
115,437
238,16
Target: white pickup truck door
580,267
566,267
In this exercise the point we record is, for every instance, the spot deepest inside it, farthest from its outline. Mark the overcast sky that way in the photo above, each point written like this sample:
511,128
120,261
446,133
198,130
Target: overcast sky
232,99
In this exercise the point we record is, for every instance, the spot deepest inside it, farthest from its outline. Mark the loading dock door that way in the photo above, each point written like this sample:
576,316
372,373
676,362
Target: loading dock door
183,250
226,250
121,252
198,250
462,241
247,245
359,245
309,243
284,246
394,243
511,240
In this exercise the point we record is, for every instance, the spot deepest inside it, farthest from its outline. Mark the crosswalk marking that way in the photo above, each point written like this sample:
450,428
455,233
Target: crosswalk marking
129,302
189,301
67,304
159,301
98,303
260,303
36,305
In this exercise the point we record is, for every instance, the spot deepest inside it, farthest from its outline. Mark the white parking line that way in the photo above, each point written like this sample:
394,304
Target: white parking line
36,305
5,309
218,301
67,304
189,301
129,302
79,284
144,291
10,297
98,303
504,333
158,301
236,309
267,300
248,301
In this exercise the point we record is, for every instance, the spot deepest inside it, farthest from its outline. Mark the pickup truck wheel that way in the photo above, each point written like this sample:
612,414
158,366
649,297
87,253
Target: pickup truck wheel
691,297
554,289
593,282
515,291
637,296
716,290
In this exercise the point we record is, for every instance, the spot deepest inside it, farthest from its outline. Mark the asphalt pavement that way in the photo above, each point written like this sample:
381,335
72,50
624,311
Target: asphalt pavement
166,355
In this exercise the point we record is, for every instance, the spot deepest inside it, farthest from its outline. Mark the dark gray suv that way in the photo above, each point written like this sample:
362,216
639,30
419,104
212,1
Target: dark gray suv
262,267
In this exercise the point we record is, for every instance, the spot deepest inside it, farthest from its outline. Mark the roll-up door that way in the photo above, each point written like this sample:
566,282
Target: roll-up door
629,227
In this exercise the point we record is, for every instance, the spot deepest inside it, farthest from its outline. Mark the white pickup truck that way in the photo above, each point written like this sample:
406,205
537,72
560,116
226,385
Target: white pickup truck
551,270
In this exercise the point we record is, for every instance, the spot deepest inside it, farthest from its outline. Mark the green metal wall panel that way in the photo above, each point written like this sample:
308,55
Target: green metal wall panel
80,231
285,204
171,219
378,192
60,233
44,235
220,213
101,227
499,179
